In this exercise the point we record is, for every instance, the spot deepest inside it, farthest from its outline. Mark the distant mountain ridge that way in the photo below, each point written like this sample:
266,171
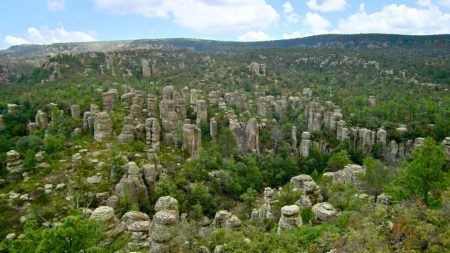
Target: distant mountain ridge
356,41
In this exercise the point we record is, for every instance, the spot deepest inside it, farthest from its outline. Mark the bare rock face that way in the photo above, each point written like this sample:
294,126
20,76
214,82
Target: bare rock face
104,214
102,127
153,133
313,114
213,97
331,119
233,223
108,101
191,139
239,134
324,211
290,218
164,227
75,111
342,132
132,185
305,144
127,135
13,162
258,69
202,114
41,119
252,134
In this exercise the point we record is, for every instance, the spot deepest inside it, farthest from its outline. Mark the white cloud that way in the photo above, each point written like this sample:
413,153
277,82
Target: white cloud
254,36
287,7
55,5
45,35
445,3
397,18
316,24
424,3
200,15
293,35
327,5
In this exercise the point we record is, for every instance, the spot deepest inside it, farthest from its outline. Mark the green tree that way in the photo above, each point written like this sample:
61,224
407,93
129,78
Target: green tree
338,160
377,176
249,200
424,175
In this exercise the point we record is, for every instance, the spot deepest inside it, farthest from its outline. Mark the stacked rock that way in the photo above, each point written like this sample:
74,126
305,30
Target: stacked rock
202,114
294,138
191,139
108,101
305,144
348,175
41,119
290,218
265,105
132,185
311,191
102,127
75,111
13,162
153,133
152,106
265,211
138,224
164,227
127,134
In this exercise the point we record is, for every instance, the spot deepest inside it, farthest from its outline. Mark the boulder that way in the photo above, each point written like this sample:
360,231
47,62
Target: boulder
324,211
290,218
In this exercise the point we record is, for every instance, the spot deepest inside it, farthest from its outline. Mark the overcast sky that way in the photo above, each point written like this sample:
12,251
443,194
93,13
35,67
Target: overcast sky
49,21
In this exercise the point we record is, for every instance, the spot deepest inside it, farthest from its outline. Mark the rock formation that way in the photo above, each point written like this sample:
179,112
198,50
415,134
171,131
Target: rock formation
280,108
131,186
127,134
256,68
311,191
294,139
290,218
305,144
108,101
12,108
152,106
146,71
152,133
102,127
75,111
213,128
164,227
348,175
324,211
138,224
41,119
191,139
252,134
202,114
13,162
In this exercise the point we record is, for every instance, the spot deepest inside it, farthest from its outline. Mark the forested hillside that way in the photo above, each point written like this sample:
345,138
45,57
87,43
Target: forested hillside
334,143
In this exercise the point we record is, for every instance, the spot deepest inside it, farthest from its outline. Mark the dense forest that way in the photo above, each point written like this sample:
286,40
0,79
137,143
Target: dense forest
335,143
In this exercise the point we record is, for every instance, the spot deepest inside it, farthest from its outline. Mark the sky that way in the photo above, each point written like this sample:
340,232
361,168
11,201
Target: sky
50,21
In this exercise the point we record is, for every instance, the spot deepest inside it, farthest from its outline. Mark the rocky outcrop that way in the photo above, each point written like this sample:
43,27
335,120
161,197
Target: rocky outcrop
213,128
131,186
127,134
41,119
191,140
305,144
146,70
257,68
280,108
108,101
164,227
265,105
202,114
138,224
13,162
294,139
153,133
252,134
225,219
75,111
102,127
290,218
265,211
76,161
446,143
152,106
348,175
12,108
311,191
324,212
